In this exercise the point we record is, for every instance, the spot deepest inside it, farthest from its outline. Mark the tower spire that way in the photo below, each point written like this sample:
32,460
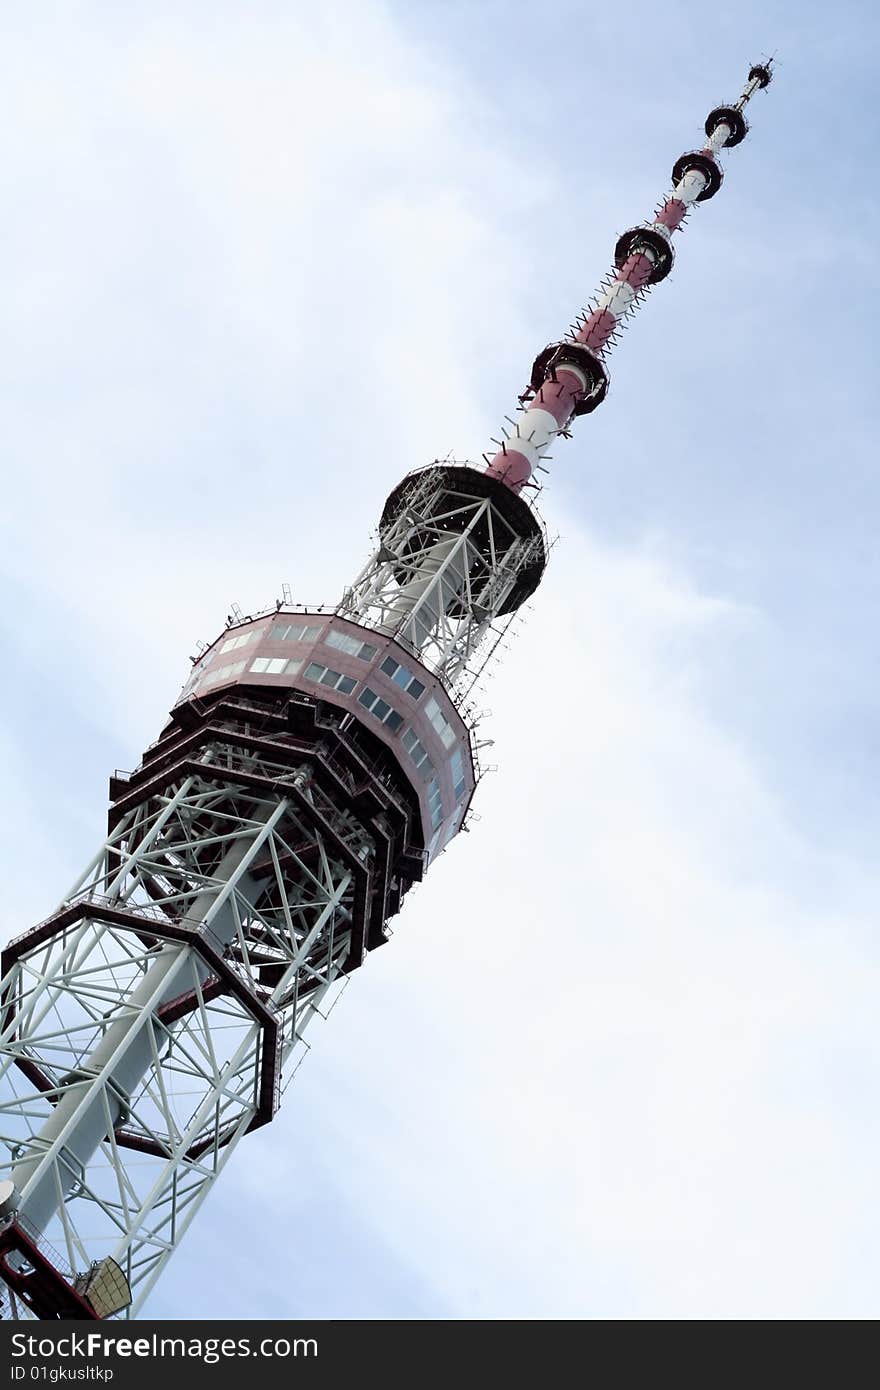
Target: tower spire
570,378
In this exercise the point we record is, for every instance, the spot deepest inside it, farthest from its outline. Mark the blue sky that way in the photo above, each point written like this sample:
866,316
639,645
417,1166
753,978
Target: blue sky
620,1056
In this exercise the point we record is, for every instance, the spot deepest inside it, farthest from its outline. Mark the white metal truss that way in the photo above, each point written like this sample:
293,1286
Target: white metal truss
146,1024
440,578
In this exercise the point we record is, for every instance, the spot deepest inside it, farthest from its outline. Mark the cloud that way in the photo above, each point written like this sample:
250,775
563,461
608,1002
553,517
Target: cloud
614,1060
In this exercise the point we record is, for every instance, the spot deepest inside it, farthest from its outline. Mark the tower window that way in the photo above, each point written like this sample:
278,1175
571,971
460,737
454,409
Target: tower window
380,709
293,632
440,723
275,666
417,751
353,645
402,677
459,781
232,642
325,676
223,673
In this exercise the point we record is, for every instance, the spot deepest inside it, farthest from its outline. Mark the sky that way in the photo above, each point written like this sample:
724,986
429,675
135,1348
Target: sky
620,1057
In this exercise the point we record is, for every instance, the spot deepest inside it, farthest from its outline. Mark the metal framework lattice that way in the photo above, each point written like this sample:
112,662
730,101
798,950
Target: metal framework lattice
147,1022
449,562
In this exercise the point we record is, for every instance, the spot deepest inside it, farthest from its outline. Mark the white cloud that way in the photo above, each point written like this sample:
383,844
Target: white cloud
606,1064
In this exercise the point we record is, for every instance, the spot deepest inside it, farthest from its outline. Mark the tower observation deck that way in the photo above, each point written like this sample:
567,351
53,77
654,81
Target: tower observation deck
312,768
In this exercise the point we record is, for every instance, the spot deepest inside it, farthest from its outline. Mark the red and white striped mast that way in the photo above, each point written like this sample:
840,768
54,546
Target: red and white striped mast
569,378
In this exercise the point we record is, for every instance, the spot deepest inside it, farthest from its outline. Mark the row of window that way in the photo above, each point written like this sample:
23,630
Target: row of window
335,680
342,641
440,723
353,645
300,632
459,781
293,632
275,666
224,673
402,677
232,642
435,803
417,751
279,632
444,834
380,709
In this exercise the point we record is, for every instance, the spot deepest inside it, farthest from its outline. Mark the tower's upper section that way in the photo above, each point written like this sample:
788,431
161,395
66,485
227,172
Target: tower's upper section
569,378
458,551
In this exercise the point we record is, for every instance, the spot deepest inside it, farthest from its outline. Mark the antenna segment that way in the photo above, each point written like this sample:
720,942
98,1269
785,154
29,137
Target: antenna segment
570,378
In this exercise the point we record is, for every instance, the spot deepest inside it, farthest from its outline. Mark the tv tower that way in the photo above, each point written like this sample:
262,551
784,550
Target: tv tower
312,768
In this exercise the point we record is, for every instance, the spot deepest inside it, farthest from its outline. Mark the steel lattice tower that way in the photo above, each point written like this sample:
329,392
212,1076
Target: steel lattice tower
313,766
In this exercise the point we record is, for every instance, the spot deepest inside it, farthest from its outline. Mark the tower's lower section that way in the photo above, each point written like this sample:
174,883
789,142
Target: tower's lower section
252,860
